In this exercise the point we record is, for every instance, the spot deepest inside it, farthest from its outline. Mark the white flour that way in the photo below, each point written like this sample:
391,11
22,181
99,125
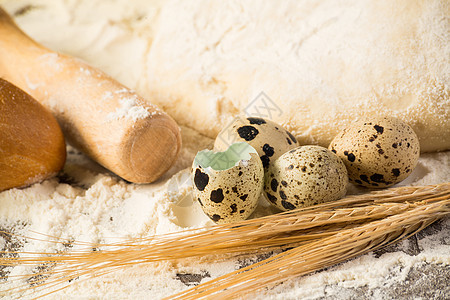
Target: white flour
94,206
129,109
86,203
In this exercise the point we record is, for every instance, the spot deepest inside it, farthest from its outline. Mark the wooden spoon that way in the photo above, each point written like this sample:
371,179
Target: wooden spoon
32,146
99,116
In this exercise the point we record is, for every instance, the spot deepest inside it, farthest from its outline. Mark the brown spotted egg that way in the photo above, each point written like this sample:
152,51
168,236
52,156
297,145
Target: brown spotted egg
377,152
305,176
228,184
269,139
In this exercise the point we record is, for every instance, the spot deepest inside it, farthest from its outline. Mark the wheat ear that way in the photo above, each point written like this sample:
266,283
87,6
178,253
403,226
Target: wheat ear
319,254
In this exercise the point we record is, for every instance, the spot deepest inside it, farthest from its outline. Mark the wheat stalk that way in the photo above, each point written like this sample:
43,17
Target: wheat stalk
319,254
286,220
293,228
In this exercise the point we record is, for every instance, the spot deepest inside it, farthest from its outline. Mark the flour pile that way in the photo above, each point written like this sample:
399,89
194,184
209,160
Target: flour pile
87,203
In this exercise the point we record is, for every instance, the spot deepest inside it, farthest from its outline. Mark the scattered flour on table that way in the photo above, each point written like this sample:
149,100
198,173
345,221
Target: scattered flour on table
85,203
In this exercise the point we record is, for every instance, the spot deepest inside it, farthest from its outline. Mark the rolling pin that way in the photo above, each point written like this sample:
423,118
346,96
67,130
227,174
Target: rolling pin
99,116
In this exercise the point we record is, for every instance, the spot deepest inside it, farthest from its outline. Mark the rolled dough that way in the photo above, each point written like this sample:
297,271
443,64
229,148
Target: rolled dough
321,64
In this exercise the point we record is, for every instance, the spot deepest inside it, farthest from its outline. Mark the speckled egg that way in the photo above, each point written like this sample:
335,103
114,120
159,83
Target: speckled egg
228,184
269,139
377,152
305,176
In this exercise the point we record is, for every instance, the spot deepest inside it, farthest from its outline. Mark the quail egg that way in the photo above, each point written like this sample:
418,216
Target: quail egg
305,176
228,184
377,152
268,138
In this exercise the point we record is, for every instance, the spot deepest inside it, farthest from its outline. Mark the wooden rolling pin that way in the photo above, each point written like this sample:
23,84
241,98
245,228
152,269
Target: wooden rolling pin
98,115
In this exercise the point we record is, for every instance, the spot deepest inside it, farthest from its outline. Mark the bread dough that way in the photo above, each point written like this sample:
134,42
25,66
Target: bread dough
323,64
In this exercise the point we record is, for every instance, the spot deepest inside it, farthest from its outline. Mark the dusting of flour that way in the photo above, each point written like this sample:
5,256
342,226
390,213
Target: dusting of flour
128,109
86,203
